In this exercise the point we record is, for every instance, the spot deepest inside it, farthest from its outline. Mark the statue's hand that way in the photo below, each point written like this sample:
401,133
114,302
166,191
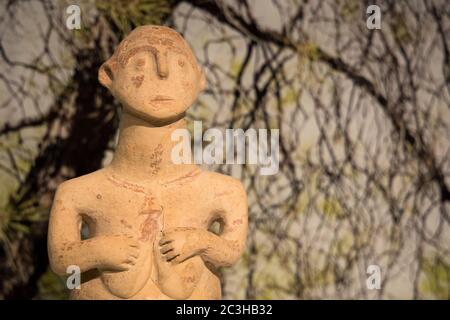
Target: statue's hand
179,244
118,253
162,265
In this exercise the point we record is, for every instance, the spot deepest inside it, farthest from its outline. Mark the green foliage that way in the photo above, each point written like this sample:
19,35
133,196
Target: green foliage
400,29
290,96
308,51
331,208
343,245
52,287
350,9
128,14
436,281
235,67
18,217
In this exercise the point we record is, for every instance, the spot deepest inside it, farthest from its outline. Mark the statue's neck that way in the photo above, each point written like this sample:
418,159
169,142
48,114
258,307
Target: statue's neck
144,150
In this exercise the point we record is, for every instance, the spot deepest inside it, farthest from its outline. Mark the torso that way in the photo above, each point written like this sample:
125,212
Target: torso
115,206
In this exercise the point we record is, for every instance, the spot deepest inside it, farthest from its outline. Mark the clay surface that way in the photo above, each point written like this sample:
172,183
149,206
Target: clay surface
148,218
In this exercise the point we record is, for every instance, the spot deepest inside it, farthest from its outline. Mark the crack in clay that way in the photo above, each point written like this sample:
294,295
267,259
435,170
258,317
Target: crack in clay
188,176
124,184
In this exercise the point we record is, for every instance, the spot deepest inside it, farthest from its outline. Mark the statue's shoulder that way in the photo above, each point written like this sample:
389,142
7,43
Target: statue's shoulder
223,184
82,183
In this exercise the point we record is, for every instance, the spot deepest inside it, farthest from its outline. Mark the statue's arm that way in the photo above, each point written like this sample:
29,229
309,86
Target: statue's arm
64,242
229,206
227,247
66,248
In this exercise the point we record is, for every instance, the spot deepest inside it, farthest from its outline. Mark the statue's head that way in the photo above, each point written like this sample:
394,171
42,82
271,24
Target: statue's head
154,73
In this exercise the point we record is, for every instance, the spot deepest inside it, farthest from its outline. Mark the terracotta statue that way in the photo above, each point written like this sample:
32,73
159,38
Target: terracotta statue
148,218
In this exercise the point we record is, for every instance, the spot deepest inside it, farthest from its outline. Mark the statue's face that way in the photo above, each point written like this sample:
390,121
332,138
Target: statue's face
156,76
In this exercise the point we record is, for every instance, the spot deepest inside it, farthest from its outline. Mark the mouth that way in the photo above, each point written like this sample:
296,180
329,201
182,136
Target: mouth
161,99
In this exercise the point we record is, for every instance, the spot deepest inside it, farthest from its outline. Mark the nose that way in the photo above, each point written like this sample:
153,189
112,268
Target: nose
161,64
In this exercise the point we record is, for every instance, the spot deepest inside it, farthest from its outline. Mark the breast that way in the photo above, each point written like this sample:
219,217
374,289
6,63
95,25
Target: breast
126,284
145,225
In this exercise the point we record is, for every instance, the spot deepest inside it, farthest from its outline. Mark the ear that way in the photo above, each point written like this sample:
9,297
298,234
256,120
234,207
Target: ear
202,80
106,75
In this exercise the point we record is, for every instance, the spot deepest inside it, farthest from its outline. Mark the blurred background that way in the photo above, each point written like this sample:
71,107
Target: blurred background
364,119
